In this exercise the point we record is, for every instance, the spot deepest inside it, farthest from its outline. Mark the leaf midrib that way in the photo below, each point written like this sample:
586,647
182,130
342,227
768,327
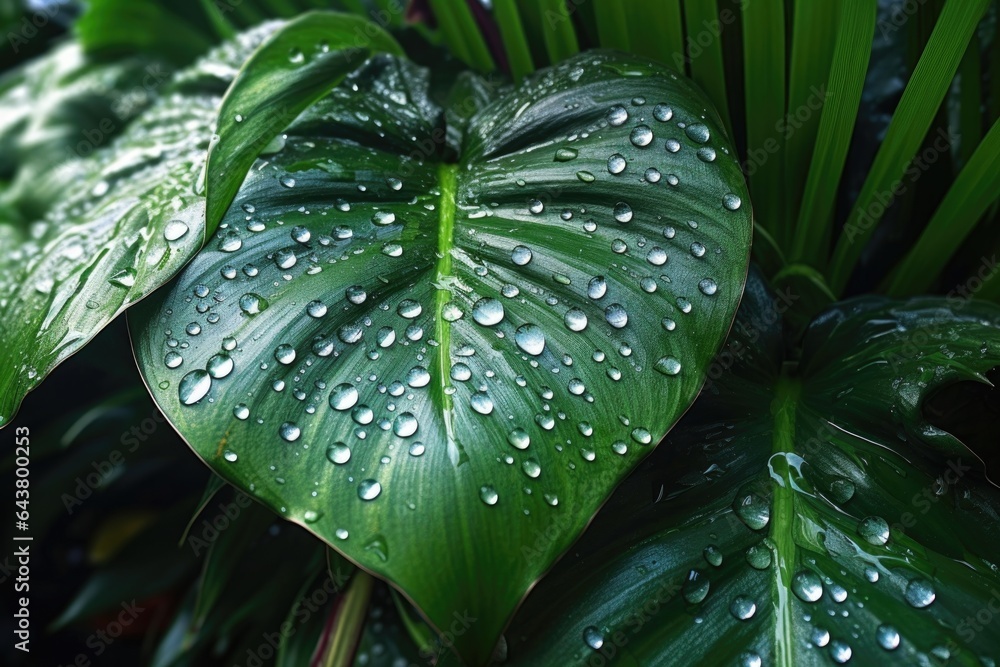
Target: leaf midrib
442,328
782,523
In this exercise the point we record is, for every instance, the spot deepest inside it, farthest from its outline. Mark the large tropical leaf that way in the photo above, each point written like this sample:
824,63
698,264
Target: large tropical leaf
432,343
796,517
132,218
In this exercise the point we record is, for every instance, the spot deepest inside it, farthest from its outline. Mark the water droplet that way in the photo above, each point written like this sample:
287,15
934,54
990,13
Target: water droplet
698,132
521,255
530,339
342,534
820,637
383,218
713,555
295,56
230,456
172,359
743,608
706,154
566,154
652,175
488,312
695,587
289,431
343,397
369,489
385,336
840,651
673,145
405,425
252,304
518,438
338,453
887,637
616,164
531,468
807,586
284,354
575,319
585,176
708,286
759,556
920,593
623,212
871,574
874,530
417,448
460,372
362,415
732,202
174,230
668,366
642,436
220,365
194,386
488,495
668,324
619,447
641,136
418,377
597,287
617,115
287,181
752,510
124,278
662,113
230,242
616,315
409,309
656,256
697,249
842,490
535,206
241,411
749,659
481,403
394,183
311,516
316,309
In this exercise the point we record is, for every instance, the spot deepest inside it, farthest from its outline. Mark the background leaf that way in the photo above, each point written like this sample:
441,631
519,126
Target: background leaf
127,222
795,519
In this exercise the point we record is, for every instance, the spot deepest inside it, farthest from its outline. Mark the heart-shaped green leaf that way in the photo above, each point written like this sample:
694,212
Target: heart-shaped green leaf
443,368
806,518
134,214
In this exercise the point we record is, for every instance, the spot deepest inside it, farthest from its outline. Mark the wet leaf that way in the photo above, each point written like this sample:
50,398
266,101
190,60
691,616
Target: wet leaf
796,518
440,351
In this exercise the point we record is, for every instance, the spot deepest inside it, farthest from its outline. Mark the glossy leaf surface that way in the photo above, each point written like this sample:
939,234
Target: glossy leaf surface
812,518
430,345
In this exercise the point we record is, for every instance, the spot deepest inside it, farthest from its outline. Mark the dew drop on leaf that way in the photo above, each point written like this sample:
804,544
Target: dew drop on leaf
807,586
194,386
338,453
369,489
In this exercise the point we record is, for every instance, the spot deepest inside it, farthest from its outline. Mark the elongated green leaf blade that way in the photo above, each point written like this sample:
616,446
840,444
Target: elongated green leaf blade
404,354
921,99
300,63
851,54
975,189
